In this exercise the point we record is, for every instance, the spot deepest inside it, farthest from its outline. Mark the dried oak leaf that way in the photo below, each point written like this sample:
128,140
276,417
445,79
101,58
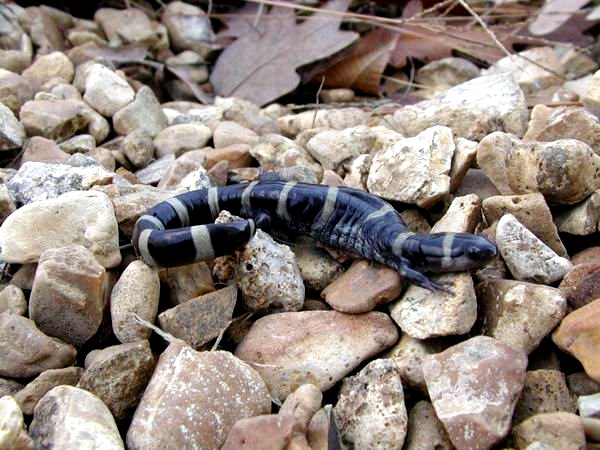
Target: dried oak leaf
553,14
362,69
261,65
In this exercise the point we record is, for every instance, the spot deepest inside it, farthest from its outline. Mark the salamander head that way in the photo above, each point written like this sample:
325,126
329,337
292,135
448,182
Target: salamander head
448,252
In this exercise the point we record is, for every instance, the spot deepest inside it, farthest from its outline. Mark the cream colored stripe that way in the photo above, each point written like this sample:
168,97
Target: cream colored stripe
180,210
202,243
213,202
327,211
399,242
282,211
157,223
245,201
143,248
380,212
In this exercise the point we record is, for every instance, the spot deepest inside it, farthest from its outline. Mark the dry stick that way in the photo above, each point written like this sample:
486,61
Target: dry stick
259,13
317,101
220,336
405,82
163,334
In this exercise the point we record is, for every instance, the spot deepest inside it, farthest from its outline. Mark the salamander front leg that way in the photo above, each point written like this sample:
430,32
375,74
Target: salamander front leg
417,278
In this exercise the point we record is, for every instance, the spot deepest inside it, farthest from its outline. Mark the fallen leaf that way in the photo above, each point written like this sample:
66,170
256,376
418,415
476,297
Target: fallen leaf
363,68
184,76
261,65
553,14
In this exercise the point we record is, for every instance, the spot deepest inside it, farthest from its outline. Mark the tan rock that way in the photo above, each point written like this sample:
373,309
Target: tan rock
588,255
582,219
13,432
581,285
476,182
529,209
14,90
67,295
26,351
144,113
314,340
49,66
591,98
237,155
201,319
463,216
7,204
12,300
408,355
317,434
43,150
67,416
462,160
229,133
424,314
12,132
491,158
358,172
53,119
268,432
333,148
580,383
30,395
317,267
138,147
474,386
370,412
519,314
337,119
362,287
175,401
126,26
183,283
425,431
555,430
533,167
579,335
534,69
551,124
118,376
414,170
339,95
137,292
545,391
445,73
178,139
303,404
187,163
105,91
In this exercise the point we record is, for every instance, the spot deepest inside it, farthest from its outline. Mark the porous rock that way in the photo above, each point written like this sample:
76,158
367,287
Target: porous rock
175,401
519,314
362,287
265,272
471,109
323,345
544,391
137,292
474,386
41,181
333,148
491,158
201,319
53,119
336,119
414,170
370,412
565,171
28,397
26,351
67,416
55,65
424,314
463,216
82,217
118,376
228,133
67,298
528,258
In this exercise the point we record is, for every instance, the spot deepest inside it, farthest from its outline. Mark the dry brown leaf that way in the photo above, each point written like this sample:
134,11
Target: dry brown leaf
553,14
261,65
363,68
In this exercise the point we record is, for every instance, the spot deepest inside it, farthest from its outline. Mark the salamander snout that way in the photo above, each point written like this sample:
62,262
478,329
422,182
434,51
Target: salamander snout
483,251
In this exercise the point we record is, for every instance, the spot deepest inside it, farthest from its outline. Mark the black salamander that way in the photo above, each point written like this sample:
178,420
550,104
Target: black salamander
180,230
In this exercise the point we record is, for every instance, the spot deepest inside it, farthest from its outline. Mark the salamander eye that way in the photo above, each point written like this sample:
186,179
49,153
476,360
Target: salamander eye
481,252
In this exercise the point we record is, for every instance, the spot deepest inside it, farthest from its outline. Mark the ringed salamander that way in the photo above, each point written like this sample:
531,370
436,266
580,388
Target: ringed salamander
180,230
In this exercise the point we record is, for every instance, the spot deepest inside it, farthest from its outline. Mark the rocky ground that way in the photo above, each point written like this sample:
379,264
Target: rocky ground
279,345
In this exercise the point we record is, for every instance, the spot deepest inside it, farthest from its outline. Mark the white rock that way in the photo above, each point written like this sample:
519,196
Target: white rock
266,273
81,217
423,314
589,405
528,258
358,171
177,139
591,98
414,170
472,109
41,181
332,148
529,69
384,138
13,433
227,133
153,172
105,91
12,133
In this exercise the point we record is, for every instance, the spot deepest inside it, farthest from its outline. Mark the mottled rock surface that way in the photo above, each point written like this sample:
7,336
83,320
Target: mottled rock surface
29,396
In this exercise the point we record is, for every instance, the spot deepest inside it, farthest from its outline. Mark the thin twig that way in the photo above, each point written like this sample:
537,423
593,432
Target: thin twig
220,336
405,82
259,13
317,101
163,334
